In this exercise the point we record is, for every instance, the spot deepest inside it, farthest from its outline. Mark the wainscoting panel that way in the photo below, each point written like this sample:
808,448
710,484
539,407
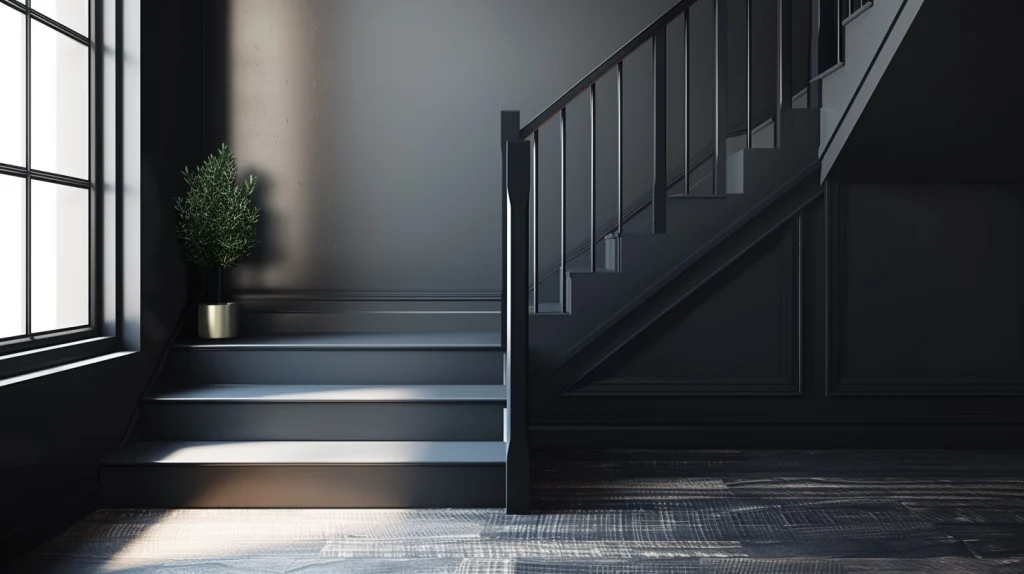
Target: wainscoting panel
880,316
924,290
737,335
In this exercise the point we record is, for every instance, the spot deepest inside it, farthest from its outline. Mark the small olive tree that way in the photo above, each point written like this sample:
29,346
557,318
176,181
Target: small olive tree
216,218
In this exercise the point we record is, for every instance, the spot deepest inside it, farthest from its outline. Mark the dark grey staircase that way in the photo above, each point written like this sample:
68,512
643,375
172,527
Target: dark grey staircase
404,419
757,178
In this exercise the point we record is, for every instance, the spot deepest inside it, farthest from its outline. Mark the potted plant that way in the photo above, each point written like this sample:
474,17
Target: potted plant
216,229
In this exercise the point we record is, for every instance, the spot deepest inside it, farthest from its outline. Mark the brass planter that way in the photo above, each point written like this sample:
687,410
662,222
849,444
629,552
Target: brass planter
218,321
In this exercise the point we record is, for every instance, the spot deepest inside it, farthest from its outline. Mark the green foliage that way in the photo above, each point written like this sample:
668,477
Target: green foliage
216,218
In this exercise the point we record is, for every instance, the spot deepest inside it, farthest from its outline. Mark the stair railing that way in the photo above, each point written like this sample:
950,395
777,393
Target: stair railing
830,17
656,36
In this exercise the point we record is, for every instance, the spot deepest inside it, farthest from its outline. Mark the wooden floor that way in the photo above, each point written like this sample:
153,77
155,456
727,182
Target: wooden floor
625,512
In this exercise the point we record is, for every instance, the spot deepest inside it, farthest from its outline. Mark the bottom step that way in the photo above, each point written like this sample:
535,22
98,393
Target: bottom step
312,474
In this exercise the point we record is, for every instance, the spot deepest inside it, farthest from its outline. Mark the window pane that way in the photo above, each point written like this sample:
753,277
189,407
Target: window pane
12,256
60,103
60,256
12,96
72,13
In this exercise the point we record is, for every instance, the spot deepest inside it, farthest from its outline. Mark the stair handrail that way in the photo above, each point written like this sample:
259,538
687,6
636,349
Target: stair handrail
604,67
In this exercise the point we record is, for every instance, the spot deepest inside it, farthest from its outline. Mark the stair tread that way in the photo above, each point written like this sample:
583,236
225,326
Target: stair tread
308,453
336,393
341,341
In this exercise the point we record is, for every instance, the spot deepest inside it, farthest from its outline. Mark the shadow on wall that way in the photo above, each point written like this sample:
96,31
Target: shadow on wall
266,252
377,123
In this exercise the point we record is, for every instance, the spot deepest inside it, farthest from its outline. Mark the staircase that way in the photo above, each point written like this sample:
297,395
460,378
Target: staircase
327,406
403,418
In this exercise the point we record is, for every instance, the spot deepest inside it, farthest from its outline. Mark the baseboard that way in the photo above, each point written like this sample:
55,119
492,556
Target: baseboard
775,437
43,523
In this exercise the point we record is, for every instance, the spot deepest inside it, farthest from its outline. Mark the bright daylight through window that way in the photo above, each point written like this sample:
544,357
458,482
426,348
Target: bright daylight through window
45,167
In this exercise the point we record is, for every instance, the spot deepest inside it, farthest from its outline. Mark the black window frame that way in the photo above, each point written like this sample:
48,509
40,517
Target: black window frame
20,354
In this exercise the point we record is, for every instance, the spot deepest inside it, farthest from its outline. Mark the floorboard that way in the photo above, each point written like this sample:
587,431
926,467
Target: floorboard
737,512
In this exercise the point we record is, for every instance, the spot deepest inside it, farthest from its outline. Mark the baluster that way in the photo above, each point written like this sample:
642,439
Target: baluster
784,70
593,177
686,102
618,89
562,299
750,48
536,221
658,201
721,88
814,88
839,31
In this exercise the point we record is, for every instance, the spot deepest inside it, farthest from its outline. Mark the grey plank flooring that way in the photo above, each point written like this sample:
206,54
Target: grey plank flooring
778,512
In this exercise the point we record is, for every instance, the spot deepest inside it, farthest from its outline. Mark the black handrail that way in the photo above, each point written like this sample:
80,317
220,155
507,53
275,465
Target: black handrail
605,67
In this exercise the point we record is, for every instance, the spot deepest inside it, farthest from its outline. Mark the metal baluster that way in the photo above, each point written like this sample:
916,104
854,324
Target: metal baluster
686,102
839,31
750,47
814,88
783,71
562,299
721,88
618,89
659,198
593,177
536,221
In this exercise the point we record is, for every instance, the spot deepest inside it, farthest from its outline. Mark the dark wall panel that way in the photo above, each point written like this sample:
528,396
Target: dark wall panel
926,291
738,336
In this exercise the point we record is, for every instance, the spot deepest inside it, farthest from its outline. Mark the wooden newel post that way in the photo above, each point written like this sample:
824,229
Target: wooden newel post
517,462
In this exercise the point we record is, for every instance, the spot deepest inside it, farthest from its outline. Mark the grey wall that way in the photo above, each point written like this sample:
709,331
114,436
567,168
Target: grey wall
373,125
54,430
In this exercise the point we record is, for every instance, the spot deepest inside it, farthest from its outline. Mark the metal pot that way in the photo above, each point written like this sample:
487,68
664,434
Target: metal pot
218,321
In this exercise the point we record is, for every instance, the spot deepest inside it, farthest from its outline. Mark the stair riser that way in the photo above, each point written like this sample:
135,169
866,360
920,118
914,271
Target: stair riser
174,421
340,486
281,323
326,367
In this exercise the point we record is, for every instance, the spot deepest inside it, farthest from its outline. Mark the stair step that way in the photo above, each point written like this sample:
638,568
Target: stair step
308,452
325,412
474,358
343,341
297,314
336,394
306,474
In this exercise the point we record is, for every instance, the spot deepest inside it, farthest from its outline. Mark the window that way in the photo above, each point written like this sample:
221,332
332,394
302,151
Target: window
48,198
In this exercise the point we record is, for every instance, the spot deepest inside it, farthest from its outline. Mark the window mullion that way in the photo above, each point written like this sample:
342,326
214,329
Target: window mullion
28,167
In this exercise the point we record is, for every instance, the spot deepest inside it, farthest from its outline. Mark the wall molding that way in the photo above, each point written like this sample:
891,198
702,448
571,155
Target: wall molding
837,383
791,329
841,435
